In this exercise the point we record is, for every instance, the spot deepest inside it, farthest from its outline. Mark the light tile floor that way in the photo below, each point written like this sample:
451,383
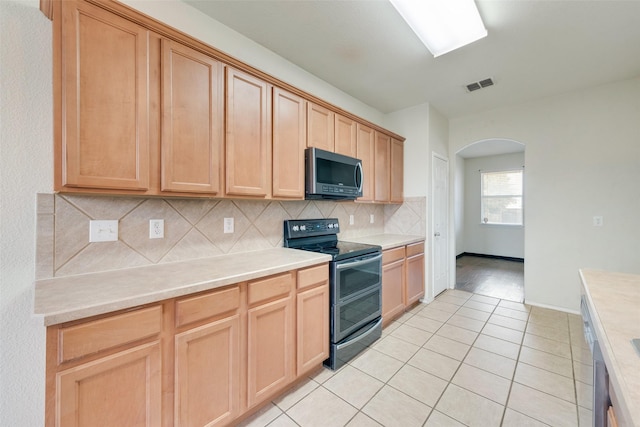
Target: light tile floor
464,359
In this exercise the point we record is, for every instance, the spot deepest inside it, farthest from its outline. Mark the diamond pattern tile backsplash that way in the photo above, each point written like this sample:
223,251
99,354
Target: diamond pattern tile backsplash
193,228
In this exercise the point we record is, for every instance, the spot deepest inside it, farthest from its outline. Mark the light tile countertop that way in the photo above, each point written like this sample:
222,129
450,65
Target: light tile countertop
387,241
69,298
613,300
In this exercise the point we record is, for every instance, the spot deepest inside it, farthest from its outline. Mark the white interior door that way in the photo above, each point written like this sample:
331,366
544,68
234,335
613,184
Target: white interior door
440,223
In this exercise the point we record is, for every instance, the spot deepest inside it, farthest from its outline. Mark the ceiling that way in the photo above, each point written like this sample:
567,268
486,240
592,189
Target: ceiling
534,49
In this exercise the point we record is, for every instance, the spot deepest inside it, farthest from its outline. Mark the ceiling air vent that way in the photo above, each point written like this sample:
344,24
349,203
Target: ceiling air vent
479,85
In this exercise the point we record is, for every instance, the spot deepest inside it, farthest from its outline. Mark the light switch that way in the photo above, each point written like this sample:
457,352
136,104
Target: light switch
103,230
598,221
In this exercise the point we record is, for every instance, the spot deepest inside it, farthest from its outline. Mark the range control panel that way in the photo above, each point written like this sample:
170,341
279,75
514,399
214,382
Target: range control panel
295,228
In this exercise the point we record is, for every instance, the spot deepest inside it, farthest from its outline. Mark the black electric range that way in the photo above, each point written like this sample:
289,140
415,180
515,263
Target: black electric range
355,285
320,235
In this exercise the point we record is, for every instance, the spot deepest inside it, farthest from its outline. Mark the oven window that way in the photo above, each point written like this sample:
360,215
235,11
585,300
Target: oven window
353,280
355,313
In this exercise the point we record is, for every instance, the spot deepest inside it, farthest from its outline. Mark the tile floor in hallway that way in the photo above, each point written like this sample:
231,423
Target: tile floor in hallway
464,359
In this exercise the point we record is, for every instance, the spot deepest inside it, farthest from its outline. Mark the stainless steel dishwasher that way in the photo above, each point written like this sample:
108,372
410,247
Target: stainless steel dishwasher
601,401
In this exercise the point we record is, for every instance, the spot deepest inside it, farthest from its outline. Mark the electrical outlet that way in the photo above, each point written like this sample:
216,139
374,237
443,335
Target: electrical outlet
351,220
372,219
598,221
103,230
228,225
156,228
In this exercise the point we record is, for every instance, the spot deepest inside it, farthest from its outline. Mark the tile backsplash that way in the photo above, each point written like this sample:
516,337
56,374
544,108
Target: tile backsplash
193,228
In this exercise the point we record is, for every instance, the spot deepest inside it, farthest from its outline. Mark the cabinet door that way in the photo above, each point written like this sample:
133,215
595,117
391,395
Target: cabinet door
207,374
192,120
104,139
320,125
392,290
312,328
382,168
415,279
397,171
248,142
366,153
270,349
345,136
123,389
289,130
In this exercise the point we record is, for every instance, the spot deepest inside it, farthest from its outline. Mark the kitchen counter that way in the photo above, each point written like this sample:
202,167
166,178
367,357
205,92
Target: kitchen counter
614,302
69,298
387,241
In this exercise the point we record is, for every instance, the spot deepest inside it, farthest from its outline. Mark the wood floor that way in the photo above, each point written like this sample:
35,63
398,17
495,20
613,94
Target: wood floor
491,277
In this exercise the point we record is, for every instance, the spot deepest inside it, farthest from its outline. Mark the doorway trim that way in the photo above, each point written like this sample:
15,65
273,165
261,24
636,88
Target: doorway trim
439,228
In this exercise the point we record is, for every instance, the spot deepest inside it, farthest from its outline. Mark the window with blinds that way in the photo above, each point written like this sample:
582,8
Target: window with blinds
501,197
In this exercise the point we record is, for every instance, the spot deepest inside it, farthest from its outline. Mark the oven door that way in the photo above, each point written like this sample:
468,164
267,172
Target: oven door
356,295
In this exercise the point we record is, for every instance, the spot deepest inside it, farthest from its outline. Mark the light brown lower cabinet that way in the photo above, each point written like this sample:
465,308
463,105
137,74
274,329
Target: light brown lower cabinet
415,274
312,318
132,379
402,279
271,343
206,359
393,277
107,369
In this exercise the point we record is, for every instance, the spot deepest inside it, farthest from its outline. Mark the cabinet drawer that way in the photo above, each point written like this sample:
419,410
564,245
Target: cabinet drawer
313,276
415,249
207,305
392,255
270,288
109,332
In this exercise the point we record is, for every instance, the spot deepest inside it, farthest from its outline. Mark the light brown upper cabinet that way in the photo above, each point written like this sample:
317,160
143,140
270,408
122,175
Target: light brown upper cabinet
366,153
192,120
320,127
397,171
289,130
248,132
345,136
102,115
383,167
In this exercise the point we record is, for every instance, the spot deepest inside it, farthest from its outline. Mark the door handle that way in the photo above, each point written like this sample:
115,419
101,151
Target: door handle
437,234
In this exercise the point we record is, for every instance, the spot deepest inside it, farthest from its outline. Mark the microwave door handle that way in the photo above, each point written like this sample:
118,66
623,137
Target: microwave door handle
358,173
358,263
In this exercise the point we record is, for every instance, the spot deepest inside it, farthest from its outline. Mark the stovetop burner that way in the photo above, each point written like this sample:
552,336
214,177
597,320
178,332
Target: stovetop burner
320,235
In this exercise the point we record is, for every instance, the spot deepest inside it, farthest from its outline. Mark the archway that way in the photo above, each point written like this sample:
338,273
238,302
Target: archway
488,217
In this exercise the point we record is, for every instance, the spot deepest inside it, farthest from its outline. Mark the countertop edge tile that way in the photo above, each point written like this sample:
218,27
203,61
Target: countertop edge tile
68,298
614,300
387,241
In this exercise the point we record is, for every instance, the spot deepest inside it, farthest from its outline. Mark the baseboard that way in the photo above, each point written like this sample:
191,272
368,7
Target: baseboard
505,258
553,307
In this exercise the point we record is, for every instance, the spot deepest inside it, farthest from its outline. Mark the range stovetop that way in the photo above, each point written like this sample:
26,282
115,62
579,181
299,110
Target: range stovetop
320,235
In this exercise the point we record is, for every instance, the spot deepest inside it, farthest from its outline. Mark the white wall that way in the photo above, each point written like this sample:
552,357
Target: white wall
26,163
204,28
487,239
458,204
582,159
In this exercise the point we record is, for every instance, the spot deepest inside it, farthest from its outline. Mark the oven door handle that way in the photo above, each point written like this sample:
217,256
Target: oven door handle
361,334
359,262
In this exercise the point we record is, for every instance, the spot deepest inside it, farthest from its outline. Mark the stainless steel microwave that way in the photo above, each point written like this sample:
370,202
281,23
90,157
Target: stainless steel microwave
331,176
